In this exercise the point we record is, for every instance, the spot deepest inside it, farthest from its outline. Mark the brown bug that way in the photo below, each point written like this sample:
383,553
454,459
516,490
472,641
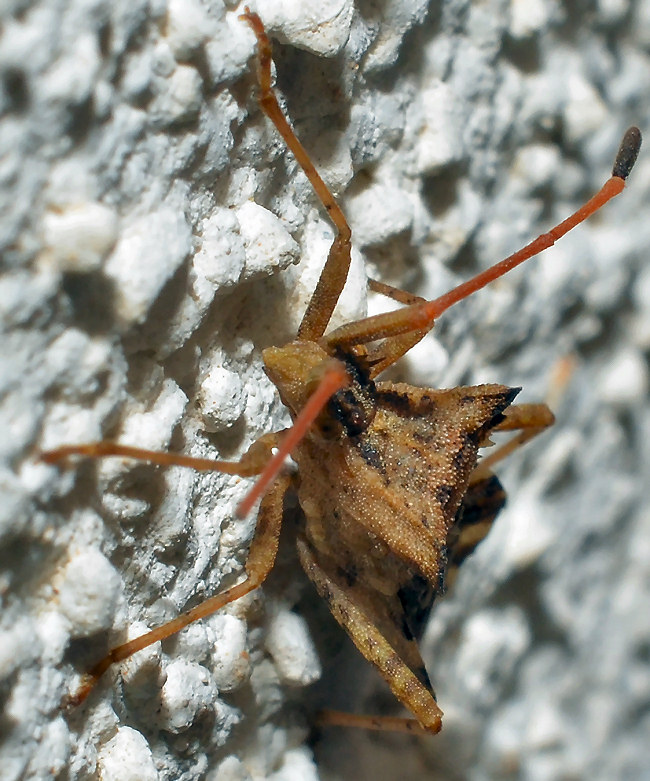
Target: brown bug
388,482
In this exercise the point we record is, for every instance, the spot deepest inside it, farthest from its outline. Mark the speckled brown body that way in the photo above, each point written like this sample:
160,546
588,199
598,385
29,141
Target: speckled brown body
381,481
388,480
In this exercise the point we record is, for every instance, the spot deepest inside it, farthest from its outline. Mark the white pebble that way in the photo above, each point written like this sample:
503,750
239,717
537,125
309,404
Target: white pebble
17,645
229,49
52,631
68,423
77,362
491,638
526,532
221,399
625,378
188,26
332,158
187,690
51,754
298,765
89,592
301,280
193,644
536,164
289,643
378,213
71,78
77,237
126,757
147,254
221,255
153,428
181,99
267,243
139,671
546,726
230,659
585,113
320,27
528,17
439,141
231,769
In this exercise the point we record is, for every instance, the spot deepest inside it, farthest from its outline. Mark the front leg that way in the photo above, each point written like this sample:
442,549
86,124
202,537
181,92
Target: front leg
335,272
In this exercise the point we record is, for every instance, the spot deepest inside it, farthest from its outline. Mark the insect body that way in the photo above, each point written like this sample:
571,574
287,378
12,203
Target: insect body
387,479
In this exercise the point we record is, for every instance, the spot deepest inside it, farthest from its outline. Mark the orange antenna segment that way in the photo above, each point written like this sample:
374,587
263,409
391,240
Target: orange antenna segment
334,378
422,315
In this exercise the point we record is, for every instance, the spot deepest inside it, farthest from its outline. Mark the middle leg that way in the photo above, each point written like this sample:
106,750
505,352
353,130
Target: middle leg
529,420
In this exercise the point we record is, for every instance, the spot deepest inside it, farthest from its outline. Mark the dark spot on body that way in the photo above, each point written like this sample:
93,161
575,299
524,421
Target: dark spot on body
467,448
371,456
349,574
442,571
354,407
400,403
416,597
442,583
406,629
342,611
393,665
458,460
443,494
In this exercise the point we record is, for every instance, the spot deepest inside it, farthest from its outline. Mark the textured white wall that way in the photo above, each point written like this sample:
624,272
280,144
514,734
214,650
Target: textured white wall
156,235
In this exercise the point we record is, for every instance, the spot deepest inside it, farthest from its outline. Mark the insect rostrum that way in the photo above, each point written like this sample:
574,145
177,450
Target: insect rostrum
388,480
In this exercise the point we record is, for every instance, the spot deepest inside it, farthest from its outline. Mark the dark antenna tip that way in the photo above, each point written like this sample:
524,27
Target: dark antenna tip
627,153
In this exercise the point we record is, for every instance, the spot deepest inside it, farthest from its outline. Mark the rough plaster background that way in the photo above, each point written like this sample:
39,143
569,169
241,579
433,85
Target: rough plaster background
151,223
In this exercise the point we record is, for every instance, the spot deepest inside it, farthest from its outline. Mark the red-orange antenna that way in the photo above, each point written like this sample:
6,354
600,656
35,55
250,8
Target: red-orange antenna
421,316
334,378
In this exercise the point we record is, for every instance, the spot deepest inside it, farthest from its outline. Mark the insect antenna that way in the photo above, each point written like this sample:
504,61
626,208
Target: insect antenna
422,315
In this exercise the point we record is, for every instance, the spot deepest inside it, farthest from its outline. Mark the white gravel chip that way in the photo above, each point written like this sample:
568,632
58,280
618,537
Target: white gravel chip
289,643
126,757
89,592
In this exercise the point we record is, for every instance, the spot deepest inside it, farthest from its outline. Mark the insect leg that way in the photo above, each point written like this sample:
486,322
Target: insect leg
251,463
381,356
258,565
353,615
335,718
529,419
335,271
396,293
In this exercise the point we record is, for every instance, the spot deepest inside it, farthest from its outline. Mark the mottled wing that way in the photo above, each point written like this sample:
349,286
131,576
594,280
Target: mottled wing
481,504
